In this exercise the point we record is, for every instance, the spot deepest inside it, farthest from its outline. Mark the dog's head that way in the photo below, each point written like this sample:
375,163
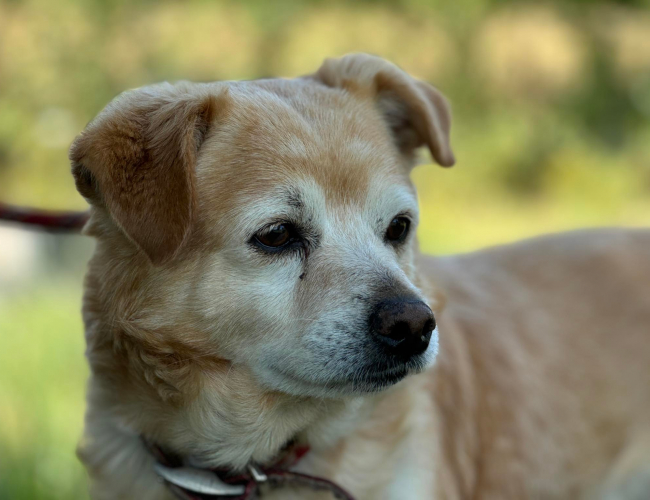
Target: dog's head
270,224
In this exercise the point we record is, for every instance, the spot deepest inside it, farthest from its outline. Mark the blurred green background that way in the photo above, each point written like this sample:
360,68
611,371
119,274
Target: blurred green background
551,105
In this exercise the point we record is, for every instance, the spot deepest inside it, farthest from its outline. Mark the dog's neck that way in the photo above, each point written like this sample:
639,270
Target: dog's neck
114,449
233,429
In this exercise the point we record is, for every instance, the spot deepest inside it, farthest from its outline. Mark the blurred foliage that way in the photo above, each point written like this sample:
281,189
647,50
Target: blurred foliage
551,130
531,83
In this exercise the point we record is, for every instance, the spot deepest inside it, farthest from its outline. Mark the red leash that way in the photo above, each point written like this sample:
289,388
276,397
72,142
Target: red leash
44,219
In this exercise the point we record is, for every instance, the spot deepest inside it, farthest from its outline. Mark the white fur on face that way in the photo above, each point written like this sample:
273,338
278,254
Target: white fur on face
299,320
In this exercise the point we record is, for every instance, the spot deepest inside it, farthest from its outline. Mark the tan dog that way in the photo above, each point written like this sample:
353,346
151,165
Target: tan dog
256,283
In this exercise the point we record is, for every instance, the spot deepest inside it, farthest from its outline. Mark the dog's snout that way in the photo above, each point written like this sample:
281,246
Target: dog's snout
403,326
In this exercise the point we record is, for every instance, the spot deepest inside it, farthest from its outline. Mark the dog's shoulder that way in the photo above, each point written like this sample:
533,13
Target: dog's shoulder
585,255
530,332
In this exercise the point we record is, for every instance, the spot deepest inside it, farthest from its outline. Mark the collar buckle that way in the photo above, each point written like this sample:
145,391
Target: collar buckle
257,474
198,481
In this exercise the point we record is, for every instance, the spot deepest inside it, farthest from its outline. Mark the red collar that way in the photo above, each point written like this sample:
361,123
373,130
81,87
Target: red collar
188,483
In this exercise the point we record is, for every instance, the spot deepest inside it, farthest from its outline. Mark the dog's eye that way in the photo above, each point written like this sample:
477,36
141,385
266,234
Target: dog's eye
398,229
276,236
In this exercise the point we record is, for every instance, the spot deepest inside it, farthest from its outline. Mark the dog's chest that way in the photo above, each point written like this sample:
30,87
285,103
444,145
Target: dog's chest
402,474
391,458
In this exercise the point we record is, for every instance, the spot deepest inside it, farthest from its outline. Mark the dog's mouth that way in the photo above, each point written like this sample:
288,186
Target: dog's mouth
365,379
377,381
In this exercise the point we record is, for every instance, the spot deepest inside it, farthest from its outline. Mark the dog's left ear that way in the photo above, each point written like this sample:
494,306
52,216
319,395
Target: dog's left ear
416,112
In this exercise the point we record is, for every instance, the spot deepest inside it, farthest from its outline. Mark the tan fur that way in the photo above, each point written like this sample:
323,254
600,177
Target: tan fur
540,387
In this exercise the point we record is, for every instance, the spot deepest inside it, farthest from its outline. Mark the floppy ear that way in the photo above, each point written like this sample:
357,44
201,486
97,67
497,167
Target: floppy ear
137,160
416,112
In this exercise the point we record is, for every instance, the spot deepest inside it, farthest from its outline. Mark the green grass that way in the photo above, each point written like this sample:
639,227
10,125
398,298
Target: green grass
42,377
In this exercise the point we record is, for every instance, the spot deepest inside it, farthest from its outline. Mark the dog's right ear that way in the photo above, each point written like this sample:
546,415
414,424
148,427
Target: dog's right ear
137,159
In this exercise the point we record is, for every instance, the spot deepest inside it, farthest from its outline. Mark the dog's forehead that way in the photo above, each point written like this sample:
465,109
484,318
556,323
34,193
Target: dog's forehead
276,134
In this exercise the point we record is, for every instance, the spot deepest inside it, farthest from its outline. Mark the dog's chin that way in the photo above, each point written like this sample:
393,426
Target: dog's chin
366,379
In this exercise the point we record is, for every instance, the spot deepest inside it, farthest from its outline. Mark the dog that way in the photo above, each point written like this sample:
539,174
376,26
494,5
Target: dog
256,288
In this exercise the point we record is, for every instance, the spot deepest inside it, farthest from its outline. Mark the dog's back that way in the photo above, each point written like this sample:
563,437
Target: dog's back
543,382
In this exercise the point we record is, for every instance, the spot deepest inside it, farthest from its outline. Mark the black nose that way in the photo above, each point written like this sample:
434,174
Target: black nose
403,326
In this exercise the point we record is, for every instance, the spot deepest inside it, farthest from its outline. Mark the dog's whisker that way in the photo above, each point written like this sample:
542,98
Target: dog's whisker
229,370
